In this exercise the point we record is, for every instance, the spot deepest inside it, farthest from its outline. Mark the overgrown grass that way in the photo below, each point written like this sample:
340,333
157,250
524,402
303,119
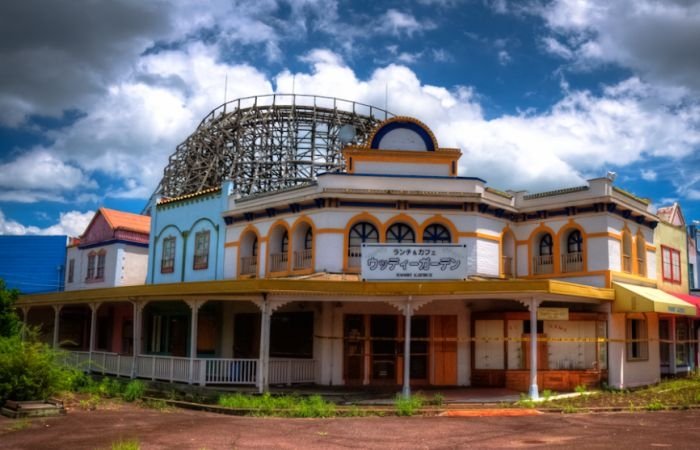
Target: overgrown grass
108,387
282,405
671,393
408,406
131,444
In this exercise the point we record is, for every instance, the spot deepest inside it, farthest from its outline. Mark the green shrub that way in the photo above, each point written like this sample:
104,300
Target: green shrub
547,395
284,405
438,400
10,324
581,388
407,406
126,445
134,391
29,369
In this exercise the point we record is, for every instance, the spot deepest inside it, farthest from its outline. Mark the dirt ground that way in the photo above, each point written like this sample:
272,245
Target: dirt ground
181,429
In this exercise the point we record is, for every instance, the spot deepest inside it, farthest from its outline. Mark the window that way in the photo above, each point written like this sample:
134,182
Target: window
167,261
71,270
546,245
436,234
671,263
400,233
100,272
91,266
201,250
363,232
641,255
626,252
284,244
637,344
574,242
254,250
308,239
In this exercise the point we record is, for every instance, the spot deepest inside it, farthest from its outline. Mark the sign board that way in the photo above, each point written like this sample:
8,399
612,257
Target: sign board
414,261
552,313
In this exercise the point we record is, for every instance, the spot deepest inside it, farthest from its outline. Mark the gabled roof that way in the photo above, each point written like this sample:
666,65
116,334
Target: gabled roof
120,220
671,214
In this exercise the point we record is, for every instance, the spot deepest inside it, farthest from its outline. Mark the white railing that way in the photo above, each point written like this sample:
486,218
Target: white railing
543,264
229,371
204,371
278,262
108,363
572,262
508,266
289,371
354,256
249,265
302,259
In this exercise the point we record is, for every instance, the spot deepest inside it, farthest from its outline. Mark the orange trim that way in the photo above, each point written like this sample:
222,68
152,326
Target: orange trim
626,234
354,154
563,234
649,247
607,234
231,244
330,230
539,230
402,119
508,230
248,229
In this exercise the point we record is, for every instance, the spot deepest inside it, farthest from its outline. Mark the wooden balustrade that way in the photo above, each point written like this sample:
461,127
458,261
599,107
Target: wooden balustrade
543,264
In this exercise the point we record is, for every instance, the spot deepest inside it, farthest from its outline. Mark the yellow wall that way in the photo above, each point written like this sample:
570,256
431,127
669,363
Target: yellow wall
676,238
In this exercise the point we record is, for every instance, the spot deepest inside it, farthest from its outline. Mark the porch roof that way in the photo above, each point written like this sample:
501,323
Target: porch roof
253,289
632,298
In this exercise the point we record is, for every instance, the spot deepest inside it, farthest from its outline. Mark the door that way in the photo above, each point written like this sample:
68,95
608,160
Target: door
246,336
354,348
383,331
445,350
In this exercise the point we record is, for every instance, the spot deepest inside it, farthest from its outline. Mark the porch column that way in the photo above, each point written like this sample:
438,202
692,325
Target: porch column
194,323
93,326
534,394
407,312
56,320
264,359
25,321
672,347
136,336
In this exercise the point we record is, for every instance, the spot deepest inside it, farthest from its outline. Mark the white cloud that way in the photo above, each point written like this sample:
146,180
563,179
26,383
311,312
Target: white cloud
648,174
504,58
72,223
659,40
403,23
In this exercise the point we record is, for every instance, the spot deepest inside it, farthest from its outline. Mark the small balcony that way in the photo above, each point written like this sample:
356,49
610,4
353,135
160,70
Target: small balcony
278,262
542,265
572,262
302,259
249,265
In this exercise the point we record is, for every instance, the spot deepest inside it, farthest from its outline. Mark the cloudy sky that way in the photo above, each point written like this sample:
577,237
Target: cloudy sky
95,95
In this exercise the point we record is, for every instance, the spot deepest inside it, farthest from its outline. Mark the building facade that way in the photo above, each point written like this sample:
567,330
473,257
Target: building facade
394,272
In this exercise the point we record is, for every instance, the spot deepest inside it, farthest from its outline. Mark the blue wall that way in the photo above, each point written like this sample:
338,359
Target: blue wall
33,263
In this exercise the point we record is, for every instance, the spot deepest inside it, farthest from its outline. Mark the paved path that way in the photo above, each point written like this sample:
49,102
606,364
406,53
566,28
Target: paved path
178,429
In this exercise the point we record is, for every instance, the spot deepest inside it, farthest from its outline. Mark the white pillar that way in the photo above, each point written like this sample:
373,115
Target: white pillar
56,321
93,326
194,323
136,336
407,350
672,347
534,392
264,360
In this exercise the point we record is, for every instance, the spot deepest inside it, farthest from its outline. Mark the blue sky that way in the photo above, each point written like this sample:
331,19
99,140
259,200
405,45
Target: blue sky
94,96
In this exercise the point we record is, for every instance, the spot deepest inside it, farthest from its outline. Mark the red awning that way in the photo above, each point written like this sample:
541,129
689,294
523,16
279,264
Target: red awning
692,299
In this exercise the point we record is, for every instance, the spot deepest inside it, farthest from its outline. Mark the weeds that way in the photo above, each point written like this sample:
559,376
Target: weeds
131,444
438,400
157,404
525,401
407,406
580,389
134,391
547,395
19,425
284,405
655,405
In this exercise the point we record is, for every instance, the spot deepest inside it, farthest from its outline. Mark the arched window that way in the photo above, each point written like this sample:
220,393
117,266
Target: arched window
400,233
308,239
546,245
284,243
363,232
436,234
626,252
641,256
574,242
360,233
254,250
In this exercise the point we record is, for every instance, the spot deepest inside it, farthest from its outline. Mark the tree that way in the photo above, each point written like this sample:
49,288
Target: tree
10,324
